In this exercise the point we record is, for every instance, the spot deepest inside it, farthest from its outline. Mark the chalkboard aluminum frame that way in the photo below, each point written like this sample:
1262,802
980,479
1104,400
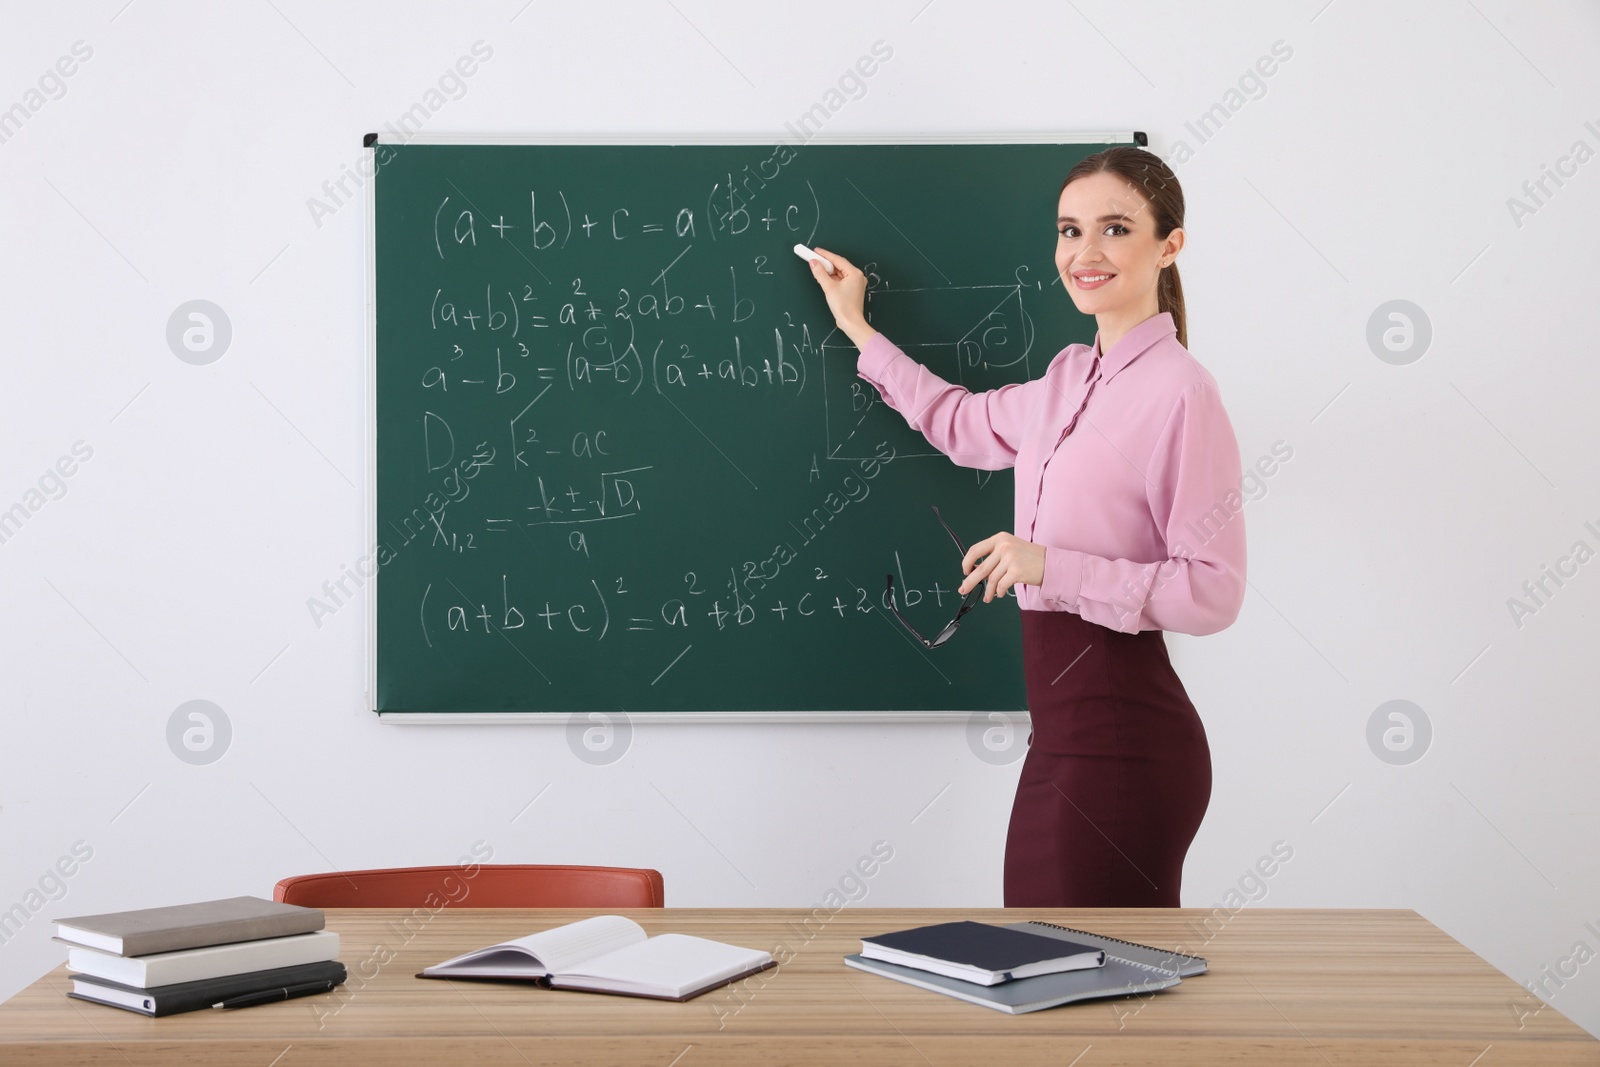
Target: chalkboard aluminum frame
370,142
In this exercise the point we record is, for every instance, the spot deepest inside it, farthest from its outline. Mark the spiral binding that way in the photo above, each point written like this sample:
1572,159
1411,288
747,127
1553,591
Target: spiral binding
1118,940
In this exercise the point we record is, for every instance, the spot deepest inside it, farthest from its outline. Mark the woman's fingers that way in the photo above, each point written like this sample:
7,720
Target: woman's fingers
1003,562
1005,581
838,261
976,552
979,573
998,571
967,583
845,289
997,579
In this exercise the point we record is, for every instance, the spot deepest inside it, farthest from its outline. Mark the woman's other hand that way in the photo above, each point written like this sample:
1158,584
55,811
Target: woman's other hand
846,290
1007,561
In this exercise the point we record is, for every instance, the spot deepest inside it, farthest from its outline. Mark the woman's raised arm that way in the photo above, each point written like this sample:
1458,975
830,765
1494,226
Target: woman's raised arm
980,430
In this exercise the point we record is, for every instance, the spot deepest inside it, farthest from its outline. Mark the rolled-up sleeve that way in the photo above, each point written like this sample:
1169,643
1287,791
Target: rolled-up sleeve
979,430
1193,488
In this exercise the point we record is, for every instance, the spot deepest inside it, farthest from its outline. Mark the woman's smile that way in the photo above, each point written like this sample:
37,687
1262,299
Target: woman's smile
1091,279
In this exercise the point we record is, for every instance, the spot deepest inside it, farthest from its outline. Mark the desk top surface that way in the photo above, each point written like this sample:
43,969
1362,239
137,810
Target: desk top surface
1285,986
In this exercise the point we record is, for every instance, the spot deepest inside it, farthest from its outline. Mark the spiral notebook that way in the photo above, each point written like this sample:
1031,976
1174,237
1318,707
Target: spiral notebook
1186,966
1130,969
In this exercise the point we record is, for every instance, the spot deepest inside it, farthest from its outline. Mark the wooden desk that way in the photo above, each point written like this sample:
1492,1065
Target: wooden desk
1286,987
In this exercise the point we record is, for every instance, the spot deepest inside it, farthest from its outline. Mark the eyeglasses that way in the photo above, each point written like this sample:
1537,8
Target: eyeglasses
972,597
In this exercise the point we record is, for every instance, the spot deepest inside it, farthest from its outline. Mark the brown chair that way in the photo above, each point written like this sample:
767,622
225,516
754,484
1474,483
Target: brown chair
486,886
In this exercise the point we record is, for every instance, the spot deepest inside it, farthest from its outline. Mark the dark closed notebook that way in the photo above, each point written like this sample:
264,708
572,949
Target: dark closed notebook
179,926
188,996
980,953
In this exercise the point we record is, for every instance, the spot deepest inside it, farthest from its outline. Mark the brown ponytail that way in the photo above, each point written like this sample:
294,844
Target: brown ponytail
1157,184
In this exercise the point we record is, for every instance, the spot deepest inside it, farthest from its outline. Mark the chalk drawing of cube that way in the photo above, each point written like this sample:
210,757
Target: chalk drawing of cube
976,336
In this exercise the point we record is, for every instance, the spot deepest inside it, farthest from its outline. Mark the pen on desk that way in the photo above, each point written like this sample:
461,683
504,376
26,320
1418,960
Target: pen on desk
267,996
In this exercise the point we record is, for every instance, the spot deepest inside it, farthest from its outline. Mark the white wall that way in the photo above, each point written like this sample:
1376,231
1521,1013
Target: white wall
1375,164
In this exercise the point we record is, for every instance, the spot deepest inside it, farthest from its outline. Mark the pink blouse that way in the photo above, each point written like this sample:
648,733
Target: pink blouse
1127,470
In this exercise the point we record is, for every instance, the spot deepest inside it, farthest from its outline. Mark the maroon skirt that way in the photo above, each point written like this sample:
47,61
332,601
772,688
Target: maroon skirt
1118,772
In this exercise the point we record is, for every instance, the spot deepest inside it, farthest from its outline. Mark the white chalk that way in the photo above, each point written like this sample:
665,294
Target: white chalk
805,253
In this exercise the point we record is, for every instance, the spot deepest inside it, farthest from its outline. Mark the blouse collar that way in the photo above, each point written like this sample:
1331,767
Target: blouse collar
1134,343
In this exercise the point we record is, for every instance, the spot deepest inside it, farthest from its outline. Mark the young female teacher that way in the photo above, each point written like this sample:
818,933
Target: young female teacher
1128,524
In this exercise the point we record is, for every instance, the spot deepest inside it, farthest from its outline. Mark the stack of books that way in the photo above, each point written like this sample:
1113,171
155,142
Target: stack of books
227,953
1021,967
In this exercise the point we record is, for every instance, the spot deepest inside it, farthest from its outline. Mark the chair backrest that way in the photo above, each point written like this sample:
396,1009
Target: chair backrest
477,886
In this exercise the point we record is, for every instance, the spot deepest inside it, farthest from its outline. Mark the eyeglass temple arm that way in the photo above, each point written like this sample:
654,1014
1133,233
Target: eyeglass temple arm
947,529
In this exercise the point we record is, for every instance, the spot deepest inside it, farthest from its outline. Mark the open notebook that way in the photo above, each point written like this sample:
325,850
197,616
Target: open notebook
609,954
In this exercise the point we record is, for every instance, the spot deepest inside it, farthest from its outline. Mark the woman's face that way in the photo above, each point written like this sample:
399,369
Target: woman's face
1107,252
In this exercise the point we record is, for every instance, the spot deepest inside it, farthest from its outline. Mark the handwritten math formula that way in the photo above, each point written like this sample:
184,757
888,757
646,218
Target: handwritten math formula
613,412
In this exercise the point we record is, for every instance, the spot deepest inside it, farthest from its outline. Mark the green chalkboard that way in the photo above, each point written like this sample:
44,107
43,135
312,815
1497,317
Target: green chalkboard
622,459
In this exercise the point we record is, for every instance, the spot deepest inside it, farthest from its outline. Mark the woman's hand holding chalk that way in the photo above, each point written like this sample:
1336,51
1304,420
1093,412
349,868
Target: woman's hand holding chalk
845,287
805,253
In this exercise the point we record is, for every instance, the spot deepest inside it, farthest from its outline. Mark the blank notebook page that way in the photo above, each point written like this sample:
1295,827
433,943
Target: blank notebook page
566,947
561,948
671,964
